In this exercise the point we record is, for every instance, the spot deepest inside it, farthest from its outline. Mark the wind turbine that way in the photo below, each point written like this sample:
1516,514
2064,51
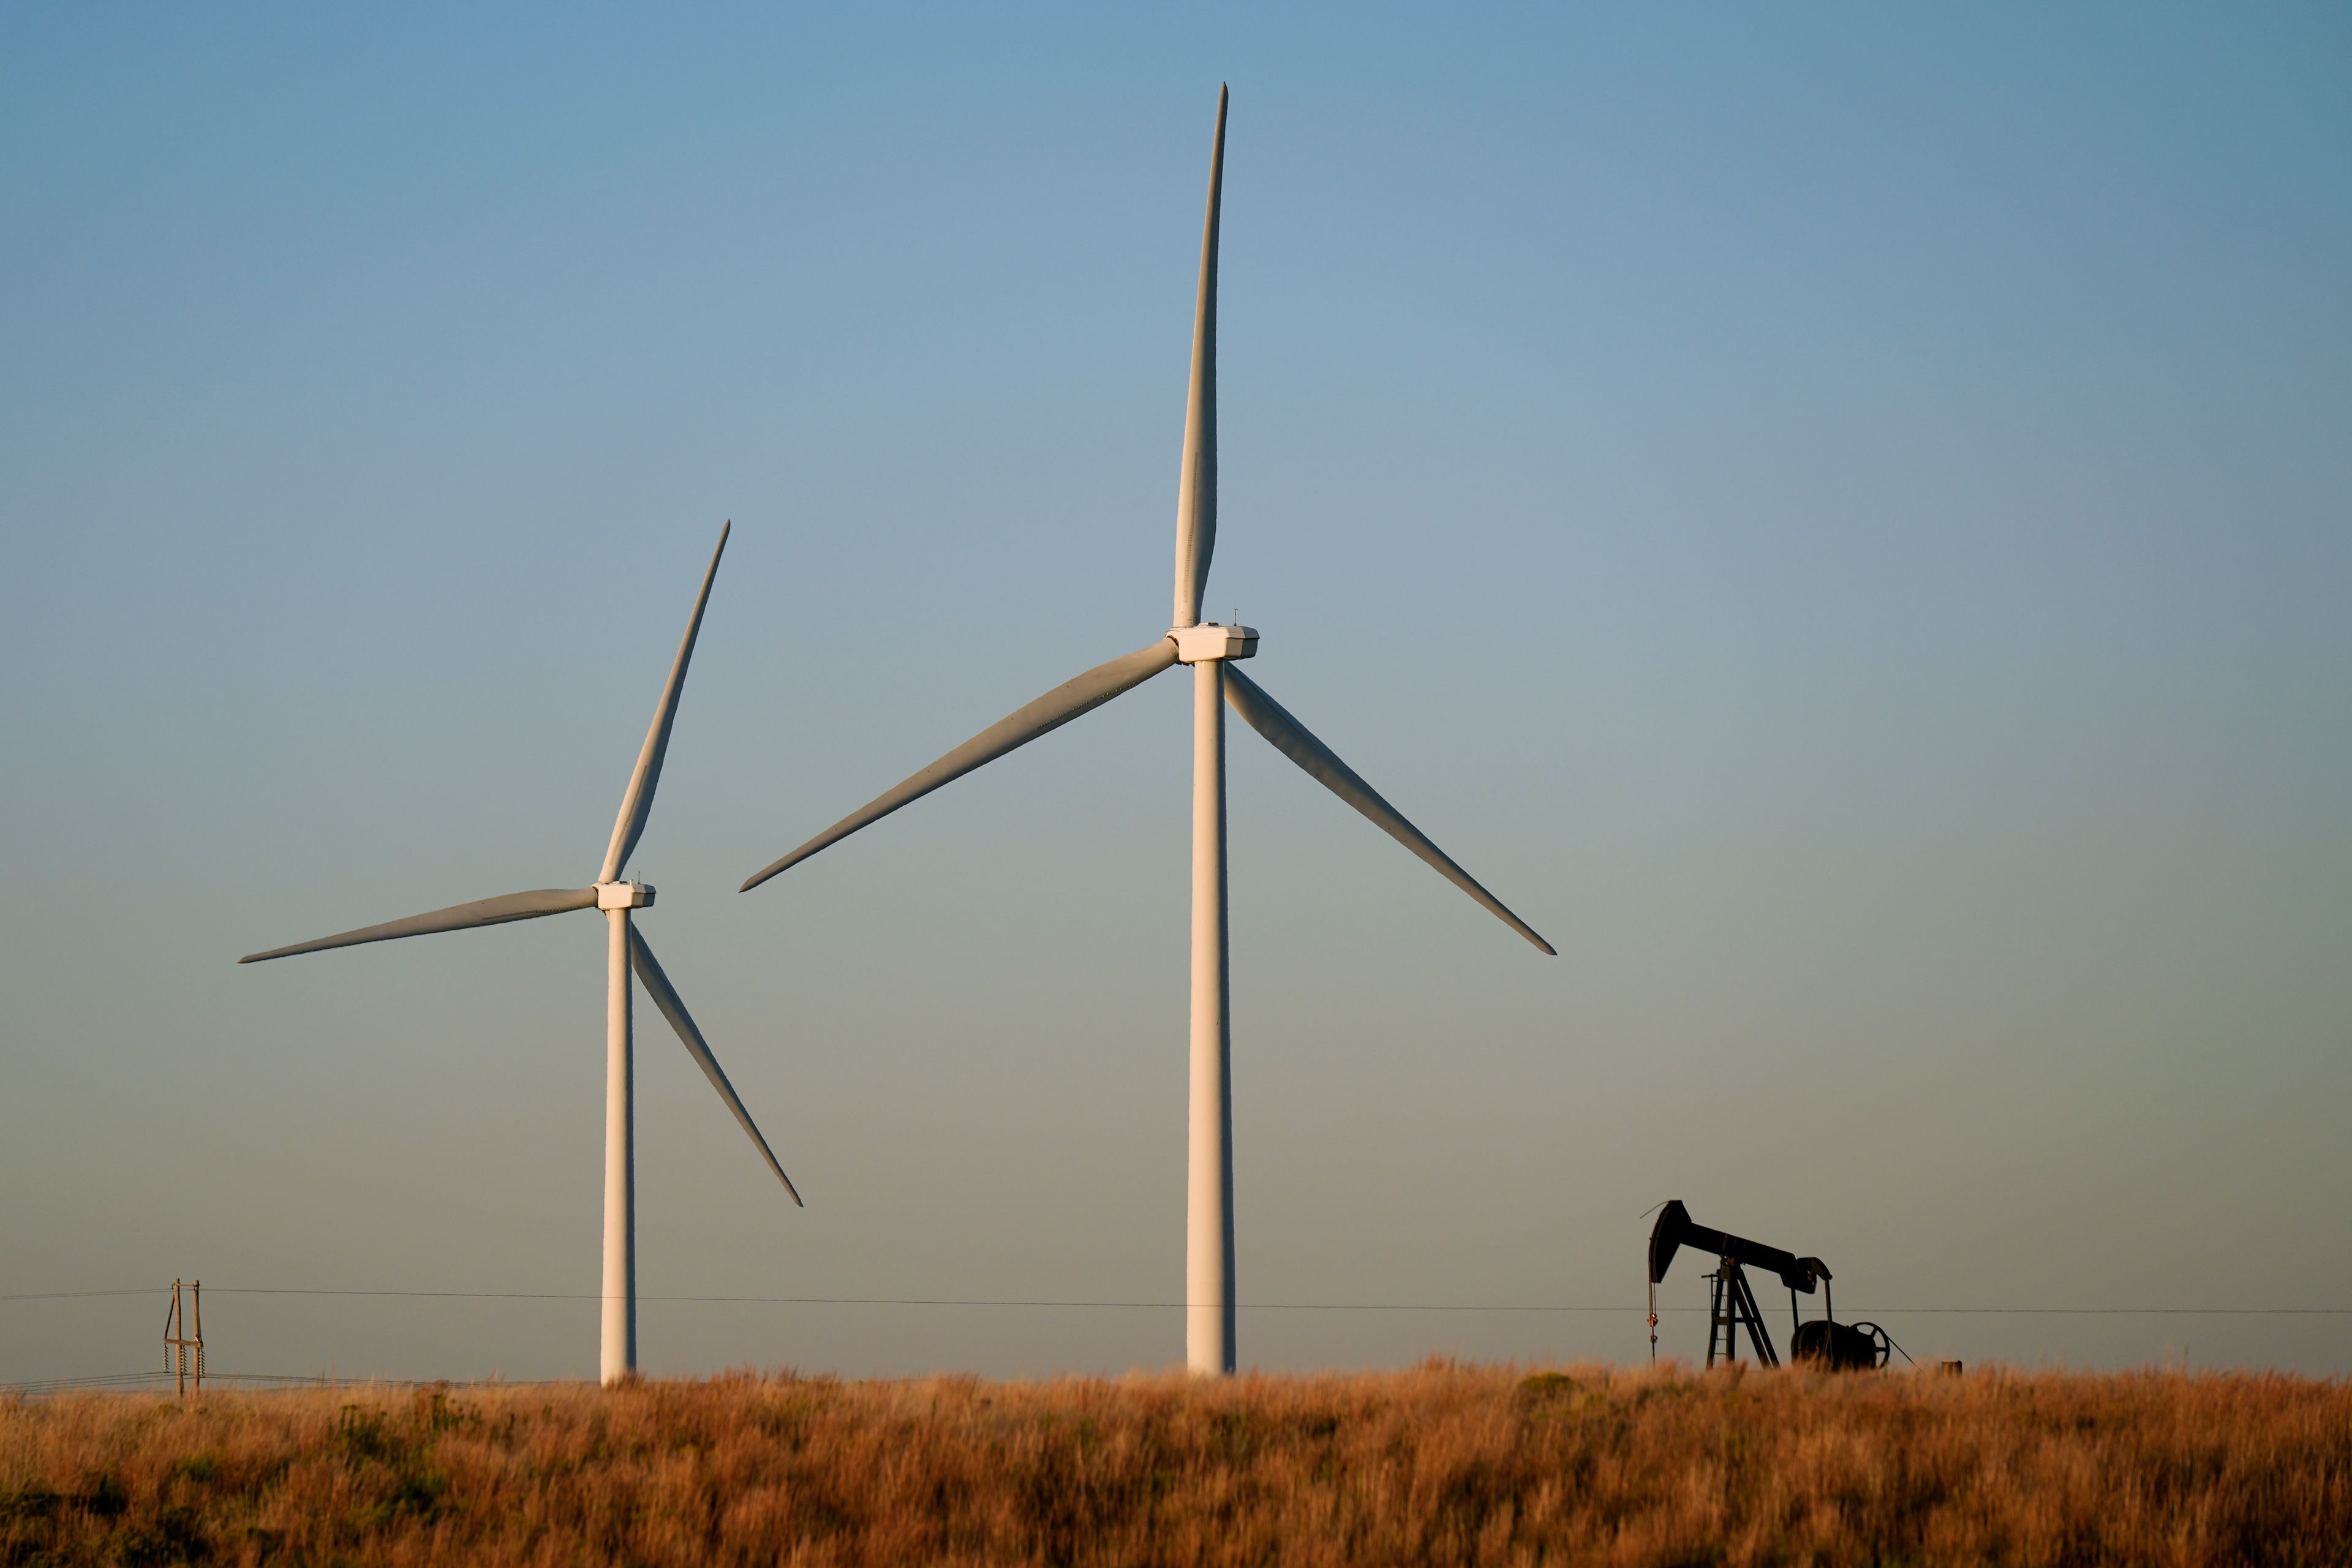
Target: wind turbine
625,949
1209,648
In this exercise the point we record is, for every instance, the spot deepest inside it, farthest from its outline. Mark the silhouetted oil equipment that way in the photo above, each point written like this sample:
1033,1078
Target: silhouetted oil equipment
1731,1305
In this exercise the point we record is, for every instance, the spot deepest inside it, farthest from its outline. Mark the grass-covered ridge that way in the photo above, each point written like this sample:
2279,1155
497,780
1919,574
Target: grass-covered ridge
1447,1464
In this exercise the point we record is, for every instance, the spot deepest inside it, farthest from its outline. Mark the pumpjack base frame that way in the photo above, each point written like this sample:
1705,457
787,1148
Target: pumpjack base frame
1731,1307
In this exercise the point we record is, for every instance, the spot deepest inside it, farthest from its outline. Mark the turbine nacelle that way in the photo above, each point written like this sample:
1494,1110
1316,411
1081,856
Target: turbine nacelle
625,895
1210,643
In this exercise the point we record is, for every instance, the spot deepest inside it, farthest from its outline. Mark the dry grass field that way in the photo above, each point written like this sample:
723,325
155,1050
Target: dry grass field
1447,1464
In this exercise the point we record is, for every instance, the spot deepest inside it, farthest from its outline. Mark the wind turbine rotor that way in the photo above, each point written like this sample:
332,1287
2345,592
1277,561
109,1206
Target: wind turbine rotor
1080,694
1321,763
1196,484
637,802
457,917
672,1007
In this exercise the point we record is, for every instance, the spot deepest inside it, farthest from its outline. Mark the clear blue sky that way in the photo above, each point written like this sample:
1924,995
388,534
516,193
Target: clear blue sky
1842,516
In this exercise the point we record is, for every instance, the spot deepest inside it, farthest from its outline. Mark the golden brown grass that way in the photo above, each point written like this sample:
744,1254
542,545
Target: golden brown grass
1447,1464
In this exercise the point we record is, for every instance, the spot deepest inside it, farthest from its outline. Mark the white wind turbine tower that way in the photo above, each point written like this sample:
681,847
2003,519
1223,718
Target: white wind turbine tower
1209,648
626,950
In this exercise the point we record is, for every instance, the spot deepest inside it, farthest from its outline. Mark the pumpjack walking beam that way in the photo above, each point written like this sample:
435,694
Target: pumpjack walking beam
1675,1229
1731,1303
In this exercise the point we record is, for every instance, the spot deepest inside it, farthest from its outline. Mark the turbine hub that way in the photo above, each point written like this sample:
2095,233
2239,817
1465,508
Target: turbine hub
1208,643
624,895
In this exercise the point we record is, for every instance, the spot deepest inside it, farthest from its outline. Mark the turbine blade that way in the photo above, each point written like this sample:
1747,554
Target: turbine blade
665,997
637,805
1292,739
1051,711
457,917
1196,482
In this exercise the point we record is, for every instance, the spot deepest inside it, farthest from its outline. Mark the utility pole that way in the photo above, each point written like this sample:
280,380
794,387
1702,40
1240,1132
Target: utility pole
184,1332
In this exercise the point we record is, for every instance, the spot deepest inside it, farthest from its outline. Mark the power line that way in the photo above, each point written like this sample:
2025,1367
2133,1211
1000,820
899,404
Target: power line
935,1301
115,1379
1025,1303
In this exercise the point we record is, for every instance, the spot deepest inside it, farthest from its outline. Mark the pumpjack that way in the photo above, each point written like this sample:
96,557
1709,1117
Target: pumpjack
1731,1305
